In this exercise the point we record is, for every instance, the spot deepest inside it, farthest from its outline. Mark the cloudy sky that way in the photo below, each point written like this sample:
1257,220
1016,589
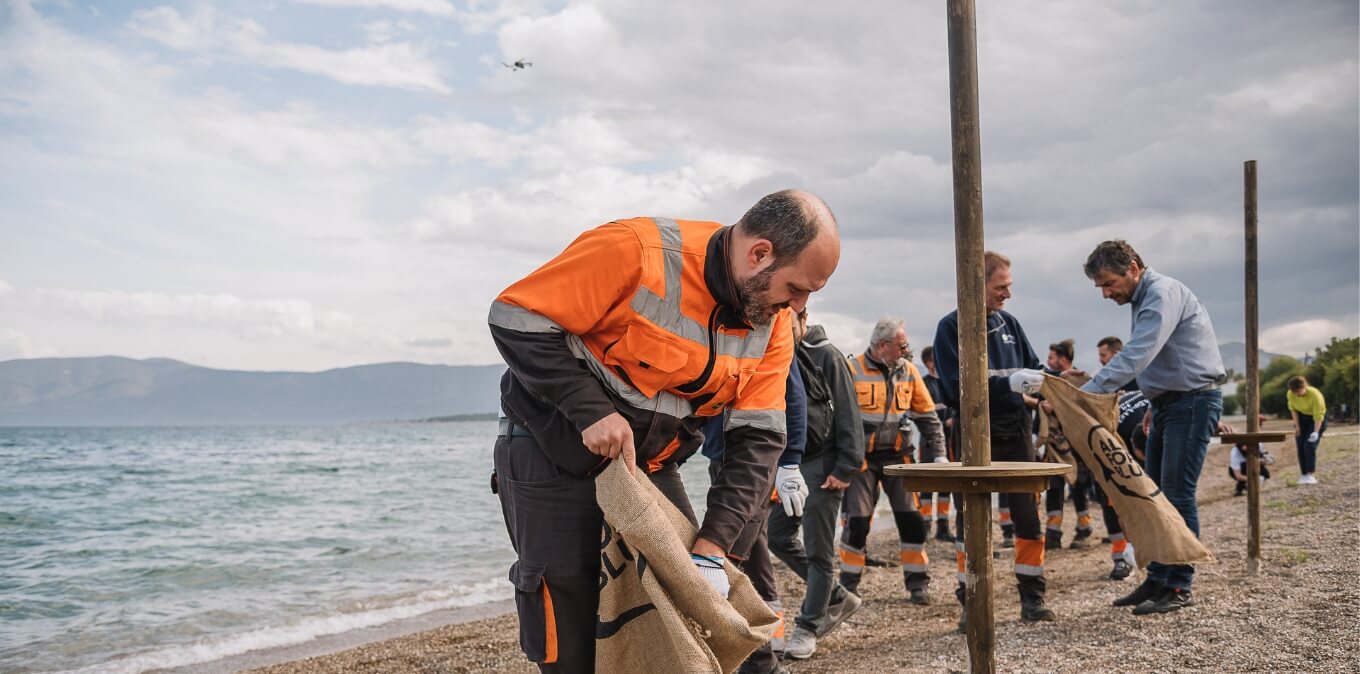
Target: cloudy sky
307,184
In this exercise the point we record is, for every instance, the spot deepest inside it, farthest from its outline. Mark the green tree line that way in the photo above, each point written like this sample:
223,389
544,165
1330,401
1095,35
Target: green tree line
1335,371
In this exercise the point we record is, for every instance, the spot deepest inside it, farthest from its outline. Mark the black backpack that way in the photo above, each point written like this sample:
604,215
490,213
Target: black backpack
820,409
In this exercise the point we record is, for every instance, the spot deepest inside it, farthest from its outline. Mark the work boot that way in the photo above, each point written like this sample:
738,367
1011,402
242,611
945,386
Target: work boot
1169,600
801,645
942,532
920,598
1032,609
1007,539
1052,540
1081,540
1122,569
1145,590
837,613
774,668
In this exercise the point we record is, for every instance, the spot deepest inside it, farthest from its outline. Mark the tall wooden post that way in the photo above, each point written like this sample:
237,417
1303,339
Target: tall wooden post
968,249
1253,397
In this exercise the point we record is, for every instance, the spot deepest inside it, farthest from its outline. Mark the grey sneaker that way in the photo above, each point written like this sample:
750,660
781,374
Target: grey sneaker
801,645
837,613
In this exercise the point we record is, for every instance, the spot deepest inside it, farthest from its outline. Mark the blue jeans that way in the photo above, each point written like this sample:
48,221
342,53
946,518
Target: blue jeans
1176,444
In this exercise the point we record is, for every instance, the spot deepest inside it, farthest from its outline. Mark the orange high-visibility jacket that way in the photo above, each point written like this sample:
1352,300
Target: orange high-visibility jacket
641,317
887,397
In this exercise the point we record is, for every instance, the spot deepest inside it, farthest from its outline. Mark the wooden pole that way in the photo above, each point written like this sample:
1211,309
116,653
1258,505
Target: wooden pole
968,249
1253,397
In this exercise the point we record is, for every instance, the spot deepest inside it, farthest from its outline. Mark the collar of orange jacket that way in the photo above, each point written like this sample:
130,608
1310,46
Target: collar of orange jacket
718,278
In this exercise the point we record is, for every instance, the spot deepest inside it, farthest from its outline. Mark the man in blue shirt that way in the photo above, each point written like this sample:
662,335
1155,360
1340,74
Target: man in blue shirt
1173,353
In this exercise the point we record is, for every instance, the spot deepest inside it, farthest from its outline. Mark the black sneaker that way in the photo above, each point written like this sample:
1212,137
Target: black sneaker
1034,610
1081,540
1121,570
1148,589
920,598
1170,600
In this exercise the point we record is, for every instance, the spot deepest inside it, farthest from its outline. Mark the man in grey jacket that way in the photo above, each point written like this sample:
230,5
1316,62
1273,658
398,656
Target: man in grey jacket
834,452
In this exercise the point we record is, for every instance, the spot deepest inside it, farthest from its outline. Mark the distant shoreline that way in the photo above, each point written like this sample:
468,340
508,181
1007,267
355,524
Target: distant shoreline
488,416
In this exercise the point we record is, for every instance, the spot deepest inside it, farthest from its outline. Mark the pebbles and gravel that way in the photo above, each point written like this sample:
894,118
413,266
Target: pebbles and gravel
1301,613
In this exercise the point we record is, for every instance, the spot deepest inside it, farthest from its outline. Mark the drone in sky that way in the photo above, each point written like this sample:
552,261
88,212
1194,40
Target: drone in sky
518,65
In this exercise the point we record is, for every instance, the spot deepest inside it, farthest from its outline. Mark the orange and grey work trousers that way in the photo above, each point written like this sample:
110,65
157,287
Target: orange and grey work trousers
556,527
859,501
1024,509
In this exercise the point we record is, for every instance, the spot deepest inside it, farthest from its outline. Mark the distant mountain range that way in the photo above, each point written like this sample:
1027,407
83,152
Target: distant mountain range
1235,357
114,391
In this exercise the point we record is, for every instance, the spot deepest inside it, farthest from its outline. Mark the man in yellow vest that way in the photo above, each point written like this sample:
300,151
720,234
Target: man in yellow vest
891,394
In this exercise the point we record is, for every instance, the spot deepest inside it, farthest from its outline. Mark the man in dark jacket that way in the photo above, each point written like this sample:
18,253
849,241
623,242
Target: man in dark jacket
1012,369
834,451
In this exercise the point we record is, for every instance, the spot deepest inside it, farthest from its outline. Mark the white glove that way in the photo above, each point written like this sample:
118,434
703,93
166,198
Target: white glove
1313,437
792,488
1027,382
941,459
711,568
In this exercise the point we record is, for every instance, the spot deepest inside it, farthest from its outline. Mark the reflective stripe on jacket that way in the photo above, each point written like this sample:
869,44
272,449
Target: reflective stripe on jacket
885,398
640,317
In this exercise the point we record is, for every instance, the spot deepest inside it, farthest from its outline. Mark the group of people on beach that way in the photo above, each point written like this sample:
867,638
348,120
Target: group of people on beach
650,340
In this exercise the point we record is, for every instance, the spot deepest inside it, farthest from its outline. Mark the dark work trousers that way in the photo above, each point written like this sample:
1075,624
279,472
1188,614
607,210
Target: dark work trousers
751,553
813,557
1177,442
555,527
1053,500
1024,507
859,501
1308,450
1119,544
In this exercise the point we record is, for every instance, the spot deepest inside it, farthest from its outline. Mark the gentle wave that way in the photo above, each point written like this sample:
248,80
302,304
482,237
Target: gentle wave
300,632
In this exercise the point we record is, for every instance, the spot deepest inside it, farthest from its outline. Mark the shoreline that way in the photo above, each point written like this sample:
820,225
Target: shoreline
348,640
888,634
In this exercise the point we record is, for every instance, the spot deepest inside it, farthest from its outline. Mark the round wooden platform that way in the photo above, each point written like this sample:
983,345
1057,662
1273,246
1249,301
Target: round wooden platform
1001,476
1250,438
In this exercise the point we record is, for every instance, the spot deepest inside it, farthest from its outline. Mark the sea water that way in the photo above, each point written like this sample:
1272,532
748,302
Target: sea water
130,549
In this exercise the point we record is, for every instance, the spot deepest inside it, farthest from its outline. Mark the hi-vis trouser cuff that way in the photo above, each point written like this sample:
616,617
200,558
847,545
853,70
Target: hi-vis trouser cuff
852,559
1029,557
914,559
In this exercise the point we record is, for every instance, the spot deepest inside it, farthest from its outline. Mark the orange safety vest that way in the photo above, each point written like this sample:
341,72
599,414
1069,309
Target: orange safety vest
884,397
647,325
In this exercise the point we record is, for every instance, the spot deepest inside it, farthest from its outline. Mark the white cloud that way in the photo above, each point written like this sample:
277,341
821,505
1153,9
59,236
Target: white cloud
253,319
435,7
1302,337
397,65
15,344
162,169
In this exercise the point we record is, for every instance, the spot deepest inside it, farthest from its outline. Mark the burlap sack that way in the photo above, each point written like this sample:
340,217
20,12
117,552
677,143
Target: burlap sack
1088,424
1057,448
657,614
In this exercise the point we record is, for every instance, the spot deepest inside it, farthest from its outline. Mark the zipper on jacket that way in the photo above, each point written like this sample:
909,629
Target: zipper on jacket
712,354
